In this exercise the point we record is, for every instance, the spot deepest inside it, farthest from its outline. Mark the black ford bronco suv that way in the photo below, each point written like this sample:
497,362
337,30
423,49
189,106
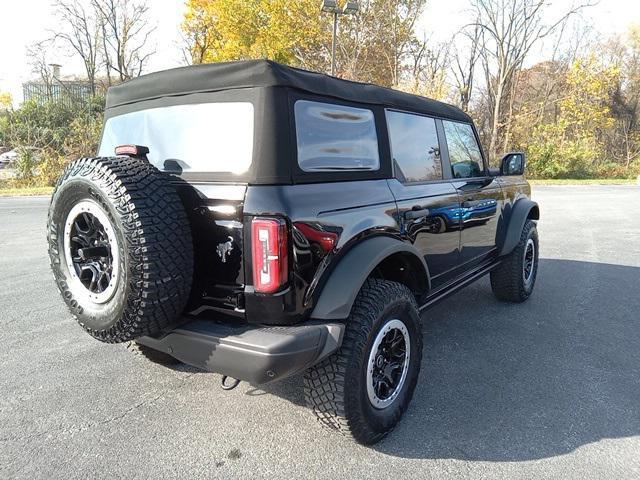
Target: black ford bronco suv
259,221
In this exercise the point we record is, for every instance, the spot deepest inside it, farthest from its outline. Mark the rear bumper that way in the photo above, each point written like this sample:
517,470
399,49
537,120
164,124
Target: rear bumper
256,354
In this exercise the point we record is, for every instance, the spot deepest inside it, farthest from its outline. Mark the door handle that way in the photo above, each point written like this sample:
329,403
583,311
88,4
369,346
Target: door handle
415,213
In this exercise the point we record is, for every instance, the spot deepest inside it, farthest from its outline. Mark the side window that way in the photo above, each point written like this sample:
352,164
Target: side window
464,152
335,137
414,147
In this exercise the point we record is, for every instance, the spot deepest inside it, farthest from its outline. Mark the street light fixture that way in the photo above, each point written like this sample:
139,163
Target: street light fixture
331,6
351,8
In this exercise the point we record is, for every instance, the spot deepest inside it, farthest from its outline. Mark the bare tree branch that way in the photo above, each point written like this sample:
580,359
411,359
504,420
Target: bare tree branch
125,36
509,29
81,32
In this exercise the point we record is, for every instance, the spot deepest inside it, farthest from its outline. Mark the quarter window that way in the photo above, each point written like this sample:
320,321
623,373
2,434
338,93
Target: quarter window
335,137
414,147
464,152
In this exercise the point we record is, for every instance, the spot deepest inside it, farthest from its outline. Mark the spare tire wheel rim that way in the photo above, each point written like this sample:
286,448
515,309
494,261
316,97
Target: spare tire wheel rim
91,252
388,364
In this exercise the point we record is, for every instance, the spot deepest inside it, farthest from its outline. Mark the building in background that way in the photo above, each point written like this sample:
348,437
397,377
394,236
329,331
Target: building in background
68,90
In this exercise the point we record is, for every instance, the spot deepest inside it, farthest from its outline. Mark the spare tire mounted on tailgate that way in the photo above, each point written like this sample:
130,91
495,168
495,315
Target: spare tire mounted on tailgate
120,247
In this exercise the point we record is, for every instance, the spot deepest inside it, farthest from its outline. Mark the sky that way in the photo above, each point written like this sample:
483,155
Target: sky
27,21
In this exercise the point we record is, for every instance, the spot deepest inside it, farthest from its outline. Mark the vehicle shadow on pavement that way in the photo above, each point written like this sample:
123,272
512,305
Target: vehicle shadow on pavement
504,382
290,389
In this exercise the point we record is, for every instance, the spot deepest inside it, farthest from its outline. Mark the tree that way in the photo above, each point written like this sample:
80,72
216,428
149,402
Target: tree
220,30
35,131
427,69
397,31
568,141
81,32
125,32
465,56
509,30
377,44
198,33
374,45
38,57
624,52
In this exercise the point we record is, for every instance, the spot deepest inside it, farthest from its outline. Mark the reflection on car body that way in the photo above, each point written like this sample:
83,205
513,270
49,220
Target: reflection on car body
455,216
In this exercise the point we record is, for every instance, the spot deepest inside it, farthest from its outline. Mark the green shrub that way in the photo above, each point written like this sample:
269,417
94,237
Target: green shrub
26,166
50,135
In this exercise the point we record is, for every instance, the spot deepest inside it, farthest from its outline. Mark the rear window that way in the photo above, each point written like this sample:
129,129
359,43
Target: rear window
205,137
335,137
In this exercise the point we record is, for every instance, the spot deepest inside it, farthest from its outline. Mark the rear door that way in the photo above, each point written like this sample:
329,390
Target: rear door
427,201
481,198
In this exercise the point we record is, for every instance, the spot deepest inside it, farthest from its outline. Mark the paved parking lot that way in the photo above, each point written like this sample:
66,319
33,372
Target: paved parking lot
548,389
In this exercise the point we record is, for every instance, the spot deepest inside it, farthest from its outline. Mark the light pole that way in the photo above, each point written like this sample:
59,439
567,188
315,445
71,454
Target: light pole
331,6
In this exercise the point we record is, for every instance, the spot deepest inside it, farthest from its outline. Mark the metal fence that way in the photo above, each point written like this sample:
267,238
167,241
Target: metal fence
67,92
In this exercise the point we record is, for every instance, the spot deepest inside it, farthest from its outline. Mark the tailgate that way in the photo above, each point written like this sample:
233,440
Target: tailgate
215,212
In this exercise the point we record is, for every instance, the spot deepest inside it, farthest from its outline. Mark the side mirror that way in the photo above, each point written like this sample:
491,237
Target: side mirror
513,163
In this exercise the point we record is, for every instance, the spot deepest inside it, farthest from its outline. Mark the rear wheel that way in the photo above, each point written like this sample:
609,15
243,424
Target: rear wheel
513,280
362,390
120,247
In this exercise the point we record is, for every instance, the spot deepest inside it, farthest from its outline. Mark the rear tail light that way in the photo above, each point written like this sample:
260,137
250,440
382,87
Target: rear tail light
269,254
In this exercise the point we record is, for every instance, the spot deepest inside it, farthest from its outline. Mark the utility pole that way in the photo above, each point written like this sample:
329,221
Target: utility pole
333,43
331,6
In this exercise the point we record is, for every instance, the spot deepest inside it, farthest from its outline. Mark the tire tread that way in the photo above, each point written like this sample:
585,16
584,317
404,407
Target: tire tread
158,244
506,279
324,384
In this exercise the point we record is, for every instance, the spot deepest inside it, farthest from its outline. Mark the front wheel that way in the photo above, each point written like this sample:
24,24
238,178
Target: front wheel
513,280
363,389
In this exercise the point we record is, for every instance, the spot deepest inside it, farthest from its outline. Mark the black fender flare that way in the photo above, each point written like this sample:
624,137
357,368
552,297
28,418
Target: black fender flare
344,282
518,215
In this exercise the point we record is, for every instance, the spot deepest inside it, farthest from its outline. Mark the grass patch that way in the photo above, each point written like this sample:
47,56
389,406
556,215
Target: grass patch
25,191
589,181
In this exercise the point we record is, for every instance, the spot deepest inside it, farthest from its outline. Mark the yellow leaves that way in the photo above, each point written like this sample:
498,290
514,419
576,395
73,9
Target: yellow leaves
247,29
571,140
590,85
289,27
5,101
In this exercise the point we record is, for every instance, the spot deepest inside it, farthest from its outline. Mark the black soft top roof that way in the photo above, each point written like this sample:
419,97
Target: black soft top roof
265,73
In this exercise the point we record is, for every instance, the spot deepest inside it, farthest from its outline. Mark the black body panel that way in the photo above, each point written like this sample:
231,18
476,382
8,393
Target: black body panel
352,211
435,235
481,201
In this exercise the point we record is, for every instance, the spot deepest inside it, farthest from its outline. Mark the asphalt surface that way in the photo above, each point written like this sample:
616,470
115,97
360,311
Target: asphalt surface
546,389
